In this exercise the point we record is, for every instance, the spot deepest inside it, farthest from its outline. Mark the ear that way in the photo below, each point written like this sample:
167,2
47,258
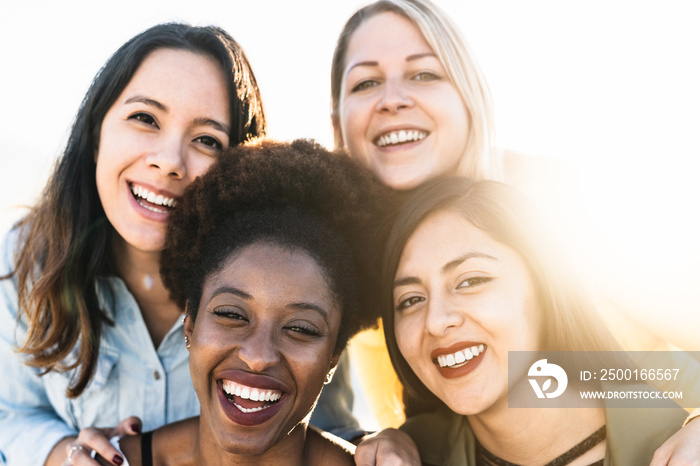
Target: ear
188,322
337,131
331,370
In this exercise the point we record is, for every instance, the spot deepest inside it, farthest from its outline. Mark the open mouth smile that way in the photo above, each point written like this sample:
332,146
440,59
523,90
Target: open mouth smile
403,136
459,358
249,399
152,201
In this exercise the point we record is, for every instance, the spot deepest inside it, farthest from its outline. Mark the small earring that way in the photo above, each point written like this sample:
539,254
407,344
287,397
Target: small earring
187,342
329,376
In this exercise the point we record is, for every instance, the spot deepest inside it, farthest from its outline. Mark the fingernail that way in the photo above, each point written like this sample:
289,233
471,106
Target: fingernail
136,428
118,460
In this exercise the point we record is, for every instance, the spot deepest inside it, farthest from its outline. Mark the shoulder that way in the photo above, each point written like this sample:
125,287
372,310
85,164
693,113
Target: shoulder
633,434
326,448
442,436
9,245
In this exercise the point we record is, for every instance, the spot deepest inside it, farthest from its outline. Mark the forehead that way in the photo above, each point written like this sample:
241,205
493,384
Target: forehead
173,73
445,235
397,35
270,270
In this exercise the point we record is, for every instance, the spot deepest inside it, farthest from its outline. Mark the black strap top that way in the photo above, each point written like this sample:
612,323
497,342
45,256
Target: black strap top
146,450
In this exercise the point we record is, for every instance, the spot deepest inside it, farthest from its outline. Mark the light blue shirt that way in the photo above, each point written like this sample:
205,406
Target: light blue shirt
132,379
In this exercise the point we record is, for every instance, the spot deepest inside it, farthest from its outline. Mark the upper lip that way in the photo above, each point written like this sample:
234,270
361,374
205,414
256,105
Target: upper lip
167,195
391,129
259,381
453,348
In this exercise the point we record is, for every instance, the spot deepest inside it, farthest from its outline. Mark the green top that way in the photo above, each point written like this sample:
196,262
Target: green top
445,438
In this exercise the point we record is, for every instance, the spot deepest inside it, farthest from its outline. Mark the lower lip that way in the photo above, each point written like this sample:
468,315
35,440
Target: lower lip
144,212
247,419
399,147
450,373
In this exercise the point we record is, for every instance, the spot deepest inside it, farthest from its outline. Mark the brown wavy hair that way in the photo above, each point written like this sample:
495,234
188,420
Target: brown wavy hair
64,241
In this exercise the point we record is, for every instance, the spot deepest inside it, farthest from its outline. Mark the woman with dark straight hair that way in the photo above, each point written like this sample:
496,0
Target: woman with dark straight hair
472,279
88,333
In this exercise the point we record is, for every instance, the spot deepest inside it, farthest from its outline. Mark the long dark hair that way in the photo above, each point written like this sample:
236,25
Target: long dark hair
64,240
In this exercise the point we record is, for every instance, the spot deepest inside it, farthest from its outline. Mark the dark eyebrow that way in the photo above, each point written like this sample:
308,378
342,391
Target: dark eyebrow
231,290
147,101
213,123
198,121
406,281
311,307
454,263
445,268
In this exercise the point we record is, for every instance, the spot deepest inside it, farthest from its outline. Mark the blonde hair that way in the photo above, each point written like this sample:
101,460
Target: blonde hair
479,160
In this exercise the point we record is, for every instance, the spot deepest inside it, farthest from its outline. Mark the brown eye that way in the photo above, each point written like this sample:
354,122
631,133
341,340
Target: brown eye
473,281
210,141
408,302
144,118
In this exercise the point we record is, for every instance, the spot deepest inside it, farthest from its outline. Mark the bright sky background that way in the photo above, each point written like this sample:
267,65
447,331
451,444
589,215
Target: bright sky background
609,87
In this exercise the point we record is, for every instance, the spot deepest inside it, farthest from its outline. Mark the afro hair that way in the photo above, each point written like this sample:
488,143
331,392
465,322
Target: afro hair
296,195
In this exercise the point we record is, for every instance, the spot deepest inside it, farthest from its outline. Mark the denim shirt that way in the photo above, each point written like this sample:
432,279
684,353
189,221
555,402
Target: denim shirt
132,378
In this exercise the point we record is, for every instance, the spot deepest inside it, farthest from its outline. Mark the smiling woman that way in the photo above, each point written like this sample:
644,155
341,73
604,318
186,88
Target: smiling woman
271,252
471,276
89,336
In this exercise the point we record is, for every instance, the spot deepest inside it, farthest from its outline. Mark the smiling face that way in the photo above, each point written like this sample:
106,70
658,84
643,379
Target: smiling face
165,129
261,346
462,301
399,113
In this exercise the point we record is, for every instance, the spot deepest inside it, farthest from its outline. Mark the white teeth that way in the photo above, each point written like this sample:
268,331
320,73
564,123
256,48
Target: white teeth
460,358
153,198
397,137
250,393
250,410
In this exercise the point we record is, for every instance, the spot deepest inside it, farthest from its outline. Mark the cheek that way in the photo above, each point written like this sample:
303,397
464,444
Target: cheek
407,331
353,125
198,165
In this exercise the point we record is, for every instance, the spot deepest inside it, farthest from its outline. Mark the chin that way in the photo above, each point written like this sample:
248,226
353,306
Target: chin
401,181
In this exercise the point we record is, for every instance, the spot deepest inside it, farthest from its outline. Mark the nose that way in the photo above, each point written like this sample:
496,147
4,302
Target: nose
259,350
443,314
170,157
395,97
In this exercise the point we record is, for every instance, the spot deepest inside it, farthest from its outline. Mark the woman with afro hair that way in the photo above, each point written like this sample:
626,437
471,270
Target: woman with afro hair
273,255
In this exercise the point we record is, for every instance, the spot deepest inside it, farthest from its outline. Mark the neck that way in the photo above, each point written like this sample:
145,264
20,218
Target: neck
290,450
140,271
509,433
